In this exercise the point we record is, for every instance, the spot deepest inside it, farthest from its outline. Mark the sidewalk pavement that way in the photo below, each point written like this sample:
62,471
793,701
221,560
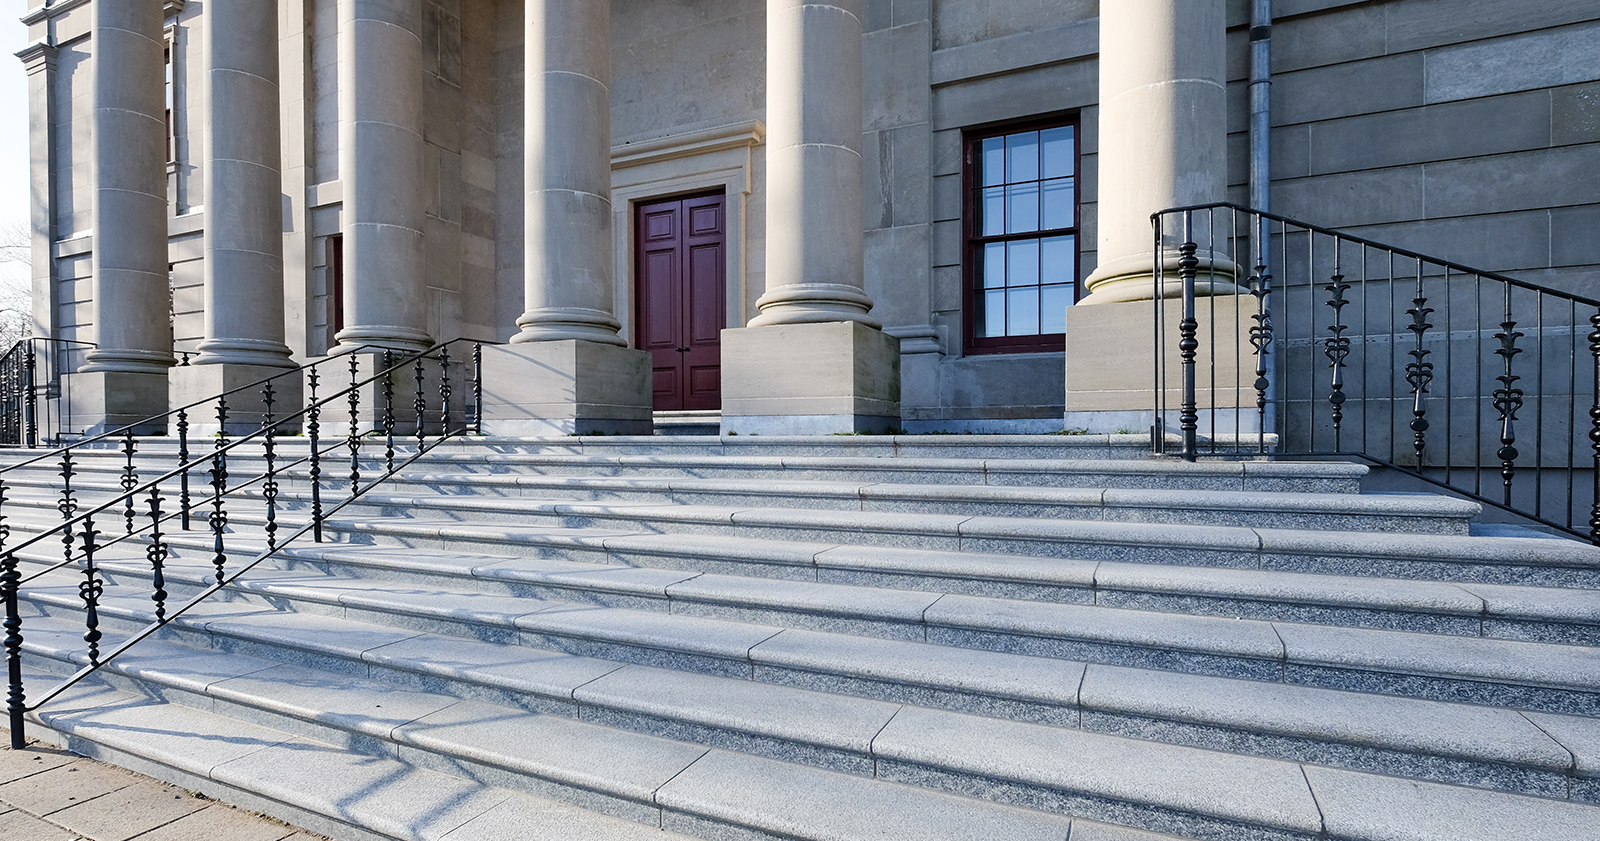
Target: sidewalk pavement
48,794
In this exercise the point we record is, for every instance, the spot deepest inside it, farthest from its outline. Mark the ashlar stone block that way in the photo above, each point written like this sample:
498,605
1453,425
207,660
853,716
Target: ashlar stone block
809,379
568,387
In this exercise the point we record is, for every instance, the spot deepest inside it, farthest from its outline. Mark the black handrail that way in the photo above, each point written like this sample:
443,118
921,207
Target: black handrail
1339,346
81,541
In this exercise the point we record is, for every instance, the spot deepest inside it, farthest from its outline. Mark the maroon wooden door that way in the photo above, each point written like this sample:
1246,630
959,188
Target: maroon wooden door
682,301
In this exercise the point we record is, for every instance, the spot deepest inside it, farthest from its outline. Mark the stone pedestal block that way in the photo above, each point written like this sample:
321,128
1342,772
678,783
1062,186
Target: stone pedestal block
246,409
1110,385
99,401
566,387
809,379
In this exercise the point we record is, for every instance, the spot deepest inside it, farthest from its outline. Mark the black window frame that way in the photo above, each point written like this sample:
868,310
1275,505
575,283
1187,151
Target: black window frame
972,242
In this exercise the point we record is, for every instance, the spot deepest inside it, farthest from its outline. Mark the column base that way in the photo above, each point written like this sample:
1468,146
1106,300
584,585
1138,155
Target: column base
100,401
810,379
1132,278
246,410
566,387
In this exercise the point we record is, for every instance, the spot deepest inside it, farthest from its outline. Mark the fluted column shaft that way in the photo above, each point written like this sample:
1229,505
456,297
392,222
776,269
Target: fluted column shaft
131,294
567,278
814,100
243,187
381,173
1162,82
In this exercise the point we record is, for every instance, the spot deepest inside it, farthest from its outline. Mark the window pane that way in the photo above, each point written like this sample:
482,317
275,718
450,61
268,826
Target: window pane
1058,204
991,314
1022,263
1058,152
992,211
994,266
1022,208
1053,308
1022,311
1058,260
1022,157
992,162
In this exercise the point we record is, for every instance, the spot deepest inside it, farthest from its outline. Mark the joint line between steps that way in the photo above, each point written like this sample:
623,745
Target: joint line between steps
872,743
1572,758
1283,654
1322,819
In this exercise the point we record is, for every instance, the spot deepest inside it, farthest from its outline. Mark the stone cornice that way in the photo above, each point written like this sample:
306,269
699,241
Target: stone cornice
698,142
40,14
37,56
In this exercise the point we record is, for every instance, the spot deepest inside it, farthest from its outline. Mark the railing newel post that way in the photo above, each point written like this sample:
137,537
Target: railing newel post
219,487
31,369
1337,346
68,504
16,698
420,404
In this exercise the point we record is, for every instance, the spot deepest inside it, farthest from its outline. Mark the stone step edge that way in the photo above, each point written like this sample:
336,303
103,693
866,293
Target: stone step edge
479,767
1387,758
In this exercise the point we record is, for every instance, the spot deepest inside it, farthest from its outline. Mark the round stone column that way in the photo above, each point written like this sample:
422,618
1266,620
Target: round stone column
1163,129
131,290
243,188
381,174
567,279
814,100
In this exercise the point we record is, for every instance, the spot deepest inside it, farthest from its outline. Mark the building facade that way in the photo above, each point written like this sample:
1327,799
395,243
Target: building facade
812,217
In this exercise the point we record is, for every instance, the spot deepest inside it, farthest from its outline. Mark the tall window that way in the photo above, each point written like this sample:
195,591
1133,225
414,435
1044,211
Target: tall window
1021,220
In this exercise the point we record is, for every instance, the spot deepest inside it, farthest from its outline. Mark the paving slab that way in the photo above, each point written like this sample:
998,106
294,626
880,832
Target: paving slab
1376,808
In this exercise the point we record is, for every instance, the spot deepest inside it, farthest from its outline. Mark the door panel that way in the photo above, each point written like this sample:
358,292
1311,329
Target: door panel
682,294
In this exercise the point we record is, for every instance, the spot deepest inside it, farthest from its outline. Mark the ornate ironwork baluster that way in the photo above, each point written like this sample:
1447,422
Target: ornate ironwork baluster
90,589
1507,398
269,482
444,389
1419,371
420,404
30,366
313,413
477,388
1337,346
130,480
353,441
156,554
1188,344
1594,428
219,486
16,699
1261,337
68,504
388,409
183,462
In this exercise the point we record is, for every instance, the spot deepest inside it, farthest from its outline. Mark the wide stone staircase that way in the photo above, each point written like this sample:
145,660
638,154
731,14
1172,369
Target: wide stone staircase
915,637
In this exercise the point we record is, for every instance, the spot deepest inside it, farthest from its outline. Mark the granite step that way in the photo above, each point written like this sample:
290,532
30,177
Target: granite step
1046,768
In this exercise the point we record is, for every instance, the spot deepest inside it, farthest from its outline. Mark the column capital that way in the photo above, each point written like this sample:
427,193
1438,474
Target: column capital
38,56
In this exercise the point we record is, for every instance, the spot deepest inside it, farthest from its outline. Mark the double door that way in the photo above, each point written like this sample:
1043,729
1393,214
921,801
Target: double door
682,299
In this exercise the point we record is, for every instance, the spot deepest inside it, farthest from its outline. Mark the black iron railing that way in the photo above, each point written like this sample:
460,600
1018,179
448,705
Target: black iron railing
32,408
1335,345
361,384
